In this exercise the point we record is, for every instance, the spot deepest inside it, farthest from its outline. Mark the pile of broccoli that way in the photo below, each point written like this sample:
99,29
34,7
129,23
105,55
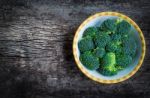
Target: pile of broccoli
108,48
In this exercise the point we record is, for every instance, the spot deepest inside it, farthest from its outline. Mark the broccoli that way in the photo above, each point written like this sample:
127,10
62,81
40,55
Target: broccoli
116,37
91,31
86,44
101,40
89,61
123,60
109,59
118,20
101,32
109,25
118,67
108,71
108,64
129,46
108,48
123,28
114,46
99,52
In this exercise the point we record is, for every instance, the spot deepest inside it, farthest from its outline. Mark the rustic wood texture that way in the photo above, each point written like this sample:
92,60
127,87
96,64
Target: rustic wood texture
36,59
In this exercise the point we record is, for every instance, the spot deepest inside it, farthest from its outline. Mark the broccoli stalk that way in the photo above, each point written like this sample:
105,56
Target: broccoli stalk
108,65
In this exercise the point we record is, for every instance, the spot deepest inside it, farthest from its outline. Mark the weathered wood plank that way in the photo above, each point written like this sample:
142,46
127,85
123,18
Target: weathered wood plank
36,58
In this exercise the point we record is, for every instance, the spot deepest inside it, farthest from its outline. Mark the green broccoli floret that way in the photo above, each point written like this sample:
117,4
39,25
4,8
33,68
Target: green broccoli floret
99,52
89,61
123,60
108,64
123,28
101,40
91,31
109,25
100,32
116,37
86,44
114,46
129,46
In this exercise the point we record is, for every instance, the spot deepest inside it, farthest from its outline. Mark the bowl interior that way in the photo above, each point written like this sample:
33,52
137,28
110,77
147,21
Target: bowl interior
96,22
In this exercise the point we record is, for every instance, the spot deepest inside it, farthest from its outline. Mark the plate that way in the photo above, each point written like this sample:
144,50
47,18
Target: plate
97,19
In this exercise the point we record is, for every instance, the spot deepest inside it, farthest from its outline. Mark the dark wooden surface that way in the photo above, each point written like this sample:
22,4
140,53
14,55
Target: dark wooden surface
36,58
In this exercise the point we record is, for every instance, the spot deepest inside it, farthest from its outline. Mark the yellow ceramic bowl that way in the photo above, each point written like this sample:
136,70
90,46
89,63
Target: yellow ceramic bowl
97,19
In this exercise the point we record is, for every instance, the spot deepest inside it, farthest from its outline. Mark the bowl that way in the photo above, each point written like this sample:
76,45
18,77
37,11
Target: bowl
97,19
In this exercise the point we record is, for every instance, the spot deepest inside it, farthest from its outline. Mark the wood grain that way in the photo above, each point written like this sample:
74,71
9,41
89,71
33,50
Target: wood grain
36,59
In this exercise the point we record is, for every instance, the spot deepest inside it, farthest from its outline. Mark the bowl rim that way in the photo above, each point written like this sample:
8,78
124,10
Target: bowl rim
75,42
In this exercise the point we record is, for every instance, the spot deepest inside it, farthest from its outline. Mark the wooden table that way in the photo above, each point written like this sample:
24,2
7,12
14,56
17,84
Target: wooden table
36,59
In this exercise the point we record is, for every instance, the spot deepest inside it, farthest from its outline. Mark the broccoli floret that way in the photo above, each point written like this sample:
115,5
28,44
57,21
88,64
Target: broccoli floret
91,31
86,44
101,40
123,60
99,52
89,61
108,64
114,46
109,25
129,46
116,37
123,28
100,32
